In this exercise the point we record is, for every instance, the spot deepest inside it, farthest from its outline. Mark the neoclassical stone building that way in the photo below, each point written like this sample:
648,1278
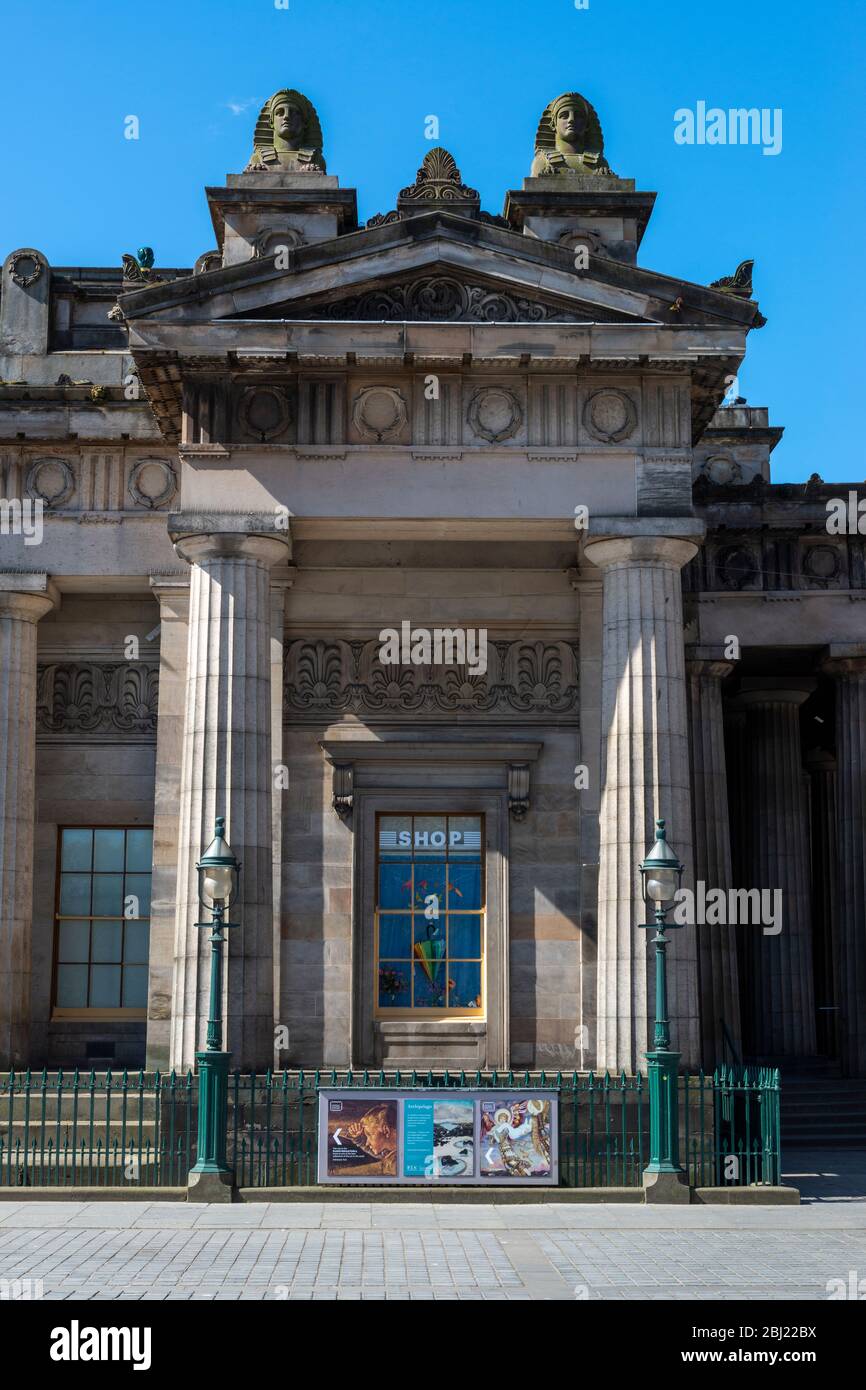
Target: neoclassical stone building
503,440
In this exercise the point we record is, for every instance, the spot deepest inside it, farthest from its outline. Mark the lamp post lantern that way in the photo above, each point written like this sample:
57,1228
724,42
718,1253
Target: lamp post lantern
218,879
661,875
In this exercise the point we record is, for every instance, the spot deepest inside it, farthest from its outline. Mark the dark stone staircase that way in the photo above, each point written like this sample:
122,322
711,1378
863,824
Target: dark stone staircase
820,1107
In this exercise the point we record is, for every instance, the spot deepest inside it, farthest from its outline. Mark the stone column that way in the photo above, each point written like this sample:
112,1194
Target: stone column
172,594
645,774
226,769
24,599
777,857
848,666
821,766
716,942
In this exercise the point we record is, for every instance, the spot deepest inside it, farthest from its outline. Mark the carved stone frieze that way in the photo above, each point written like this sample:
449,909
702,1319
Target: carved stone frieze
25,267
50,480
379,413
264,412
444,298
152,482
494,413
96,699
609,415
328,677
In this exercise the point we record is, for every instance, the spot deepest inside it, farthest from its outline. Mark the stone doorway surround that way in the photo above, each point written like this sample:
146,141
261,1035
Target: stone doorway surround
441,774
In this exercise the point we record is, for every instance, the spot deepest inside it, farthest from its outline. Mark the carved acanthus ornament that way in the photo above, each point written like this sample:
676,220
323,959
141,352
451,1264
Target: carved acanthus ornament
328,677
92,698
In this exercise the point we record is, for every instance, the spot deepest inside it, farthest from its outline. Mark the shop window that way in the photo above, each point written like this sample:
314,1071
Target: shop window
430,916
102,923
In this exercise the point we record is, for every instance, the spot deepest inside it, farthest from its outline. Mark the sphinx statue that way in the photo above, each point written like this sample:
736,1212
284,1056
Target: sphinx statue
288,137
569,139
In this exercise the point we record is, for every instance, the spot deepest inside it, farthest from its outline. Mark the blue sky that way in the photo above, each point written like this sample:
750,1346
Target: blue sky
195,74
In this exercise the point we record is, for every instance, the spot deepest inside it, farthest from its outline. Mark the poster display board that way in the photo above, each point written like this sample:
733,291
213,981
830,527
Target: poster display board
490,1138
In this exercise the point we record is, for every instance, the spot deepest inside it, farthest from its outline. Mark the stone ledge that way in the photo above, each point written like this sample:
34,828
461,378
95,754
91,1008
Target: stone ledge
430,1195
758,1196
93,1194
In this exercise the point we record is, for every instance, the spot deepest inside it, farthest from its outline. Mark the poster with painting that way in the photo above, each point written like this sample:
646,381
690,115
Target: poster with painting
361,1137
516,1137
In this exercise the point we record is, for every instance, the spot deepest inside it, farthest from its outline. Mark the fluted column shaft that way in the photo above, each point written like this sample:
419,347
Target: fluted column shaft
821,767
716,942
645,774
19,614
226,769
850,915
777,857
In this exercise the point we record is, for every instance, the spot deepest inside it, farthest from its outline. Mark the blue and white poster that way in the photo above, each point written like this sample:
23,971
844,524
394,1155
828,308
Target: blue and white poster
438,1138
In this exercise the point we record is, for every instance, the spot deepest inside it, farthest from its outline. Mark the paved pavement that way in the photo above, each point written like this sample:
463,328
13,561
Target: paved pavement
370,1250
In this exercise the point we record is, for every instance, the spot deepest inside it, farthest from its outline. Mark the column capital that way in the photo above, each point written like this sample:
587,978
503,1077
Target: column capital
709,660
27,597
669,542
262,536
844,659
769,690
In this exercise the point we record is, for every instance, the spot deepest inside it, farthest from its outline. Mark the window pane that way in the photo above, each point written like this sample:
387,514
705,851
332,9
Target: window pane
134,986
464,985
430,835
395,885
138,886
107,850
425,930
73,941
430,882
76,848
139,851
71,986
464,936
395,835
394,984
136,943
105,986
464,836
74,895
429,993
106,941
395,937
464,886
108,895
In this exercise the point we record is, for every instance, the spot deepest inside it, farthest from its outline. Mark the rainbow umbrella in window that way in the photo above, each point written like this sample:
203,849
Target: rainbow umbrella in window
430,954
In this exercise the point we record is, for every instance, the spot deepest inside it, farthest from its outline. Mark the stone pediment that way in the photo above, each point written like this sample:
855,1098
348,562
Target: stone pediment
436,266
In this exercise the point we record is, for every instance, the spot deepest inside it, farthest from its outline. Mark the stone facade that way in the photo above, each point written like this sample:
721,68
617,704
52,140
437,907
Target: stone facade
221,485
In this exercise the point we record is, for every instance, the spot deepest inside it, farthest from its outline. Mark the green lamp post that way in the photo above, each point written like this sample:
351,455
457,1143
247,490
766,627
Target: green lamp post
218,878
661,875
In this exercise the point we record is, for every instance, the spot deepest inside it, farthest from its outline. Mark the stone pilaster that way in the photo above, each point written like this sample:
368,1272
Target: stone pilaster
777,857
645,774
716,942
227,769
848,667
24,599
